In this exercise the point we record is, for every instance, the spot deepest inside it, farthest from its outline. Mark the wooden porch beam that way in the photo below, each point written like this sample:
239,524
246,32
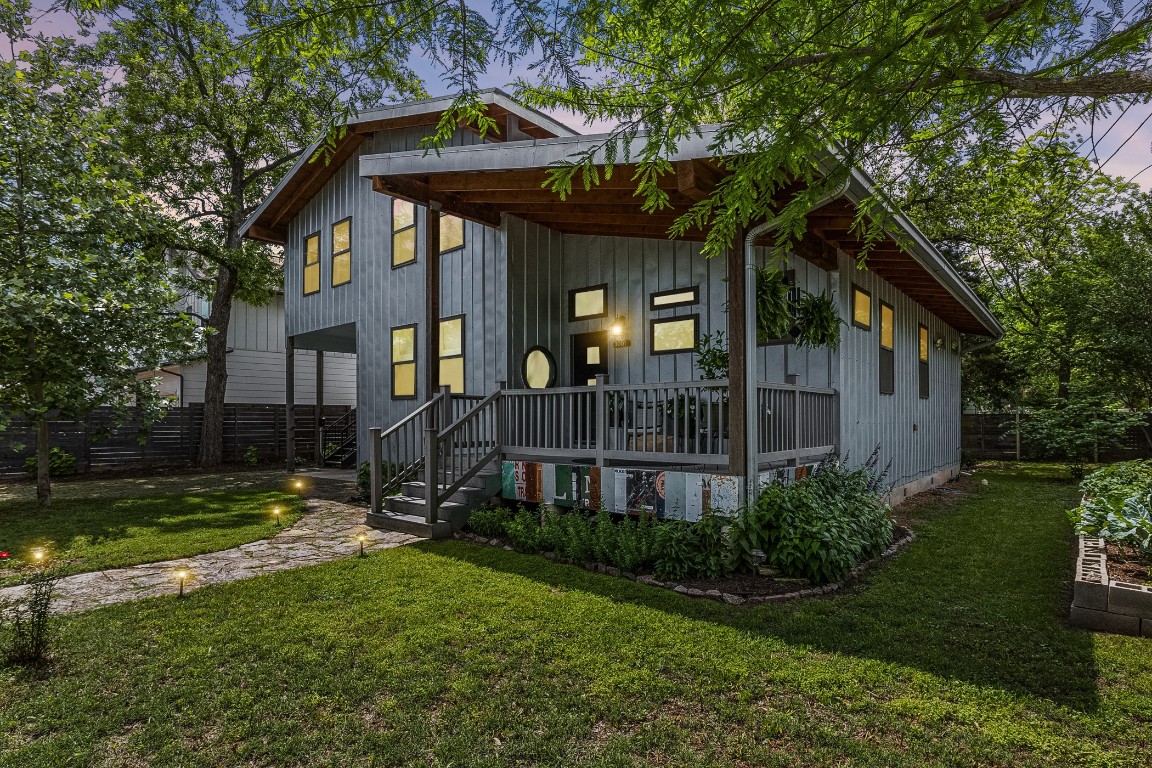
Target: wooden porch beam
416,191
737,334
431,303
695,179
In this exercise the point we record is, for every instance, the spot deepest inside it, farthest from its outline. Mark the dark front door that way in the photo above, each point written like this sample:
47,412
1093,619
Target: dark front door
589,357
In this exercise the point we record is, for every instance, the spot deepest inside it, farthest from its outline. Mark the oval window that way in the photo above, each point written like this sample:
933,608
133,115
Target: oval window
539,368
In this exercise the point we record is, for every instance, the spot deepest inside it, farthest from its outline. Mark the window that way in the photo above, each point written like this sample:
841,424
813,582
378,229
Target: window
588,303
861,308
312,263
539,368
677,297
452,354
342,252
403,232
451,232
674,335
922,350
404,362
887,349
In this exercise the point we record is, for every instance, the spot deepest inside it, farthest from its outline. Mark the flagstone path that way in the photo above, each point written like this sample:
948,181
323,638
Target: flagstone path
328,531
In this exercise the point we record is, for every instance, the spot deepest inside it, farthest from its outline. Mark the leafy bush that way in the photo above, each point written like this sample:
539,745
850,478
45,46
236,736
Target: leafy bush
1119,481
822,526
673,551
364,474
60,463
633,544
712,556
27,620
817,321
604,537
490,521
524,531
1076,429
251,457
1125,522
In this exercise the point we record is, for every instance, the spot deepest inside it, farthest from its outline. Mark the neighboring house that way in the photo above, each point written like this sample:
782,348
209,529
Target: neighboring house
256,364
565,329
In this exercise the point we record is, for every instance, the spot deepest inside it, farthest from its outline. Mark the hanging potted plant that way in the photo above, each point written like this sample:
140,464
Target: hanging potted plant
817,321
773,305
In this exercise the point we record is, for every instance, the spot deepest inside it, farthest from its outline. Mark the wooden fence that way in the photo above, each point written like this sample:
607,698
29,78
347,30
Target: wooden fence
993,436
97,443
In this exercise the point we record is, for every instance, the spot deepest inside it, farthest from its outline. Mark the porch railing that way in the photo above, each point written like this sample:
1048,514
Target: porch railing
795,422
396,455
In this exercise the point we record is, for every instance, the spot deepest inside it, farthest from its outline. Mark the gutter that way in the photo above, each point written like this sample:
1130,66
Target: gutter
751,369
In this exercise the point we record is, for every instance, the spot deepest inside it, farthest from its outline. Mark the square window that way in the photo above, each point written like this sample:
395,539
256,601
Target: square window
452,337
674,335
861,308
678,297
588,303
312,263
451,232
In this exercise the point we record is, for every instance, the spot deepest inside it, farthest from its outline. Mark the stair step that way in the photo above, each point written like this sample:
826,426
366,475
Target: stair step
469,495
414,525
485,480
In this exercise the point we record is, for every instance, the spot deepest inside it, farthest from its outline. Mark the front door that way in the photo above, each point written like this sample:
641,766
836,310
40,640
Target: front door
589,357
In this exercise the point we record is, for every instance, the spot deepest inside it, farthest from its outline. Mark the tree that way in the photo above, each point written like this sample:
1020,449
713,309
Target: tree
213,123
85,291
881,84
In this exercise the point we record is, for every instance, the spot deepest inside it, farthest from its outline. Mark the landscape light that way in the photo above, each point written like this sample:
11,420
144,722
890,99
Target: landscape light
276,515
182,575
38,554
361,538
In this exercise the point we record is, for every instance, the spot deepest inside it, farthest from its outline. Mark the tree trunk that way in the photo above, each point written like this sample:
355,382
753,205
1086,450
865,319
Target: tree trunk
43,480
216,382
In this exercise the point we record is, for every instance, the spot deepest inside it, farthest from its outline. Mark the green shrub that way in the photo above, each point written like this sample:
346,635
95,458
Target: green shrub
1076,429
490,521
364,474
251,457
27,620
1128,521
579,541
524,531
673,551
713,556
604,537
633,548
60,463
1119,481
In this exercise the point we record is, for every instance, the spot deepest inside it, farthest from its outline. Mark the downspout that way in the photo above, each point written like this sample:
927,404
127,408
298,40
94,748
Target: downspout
751,368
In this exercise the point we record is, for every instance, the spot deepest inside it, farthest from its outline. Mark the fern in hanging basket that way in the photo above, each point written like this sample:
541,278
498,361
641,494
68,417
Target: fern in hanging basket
817,321
773,308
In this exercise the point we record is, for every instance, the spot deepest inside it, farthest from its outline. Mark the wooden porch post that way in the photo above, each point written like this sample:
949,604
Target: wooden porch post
290,402
432,301
737,362
318,416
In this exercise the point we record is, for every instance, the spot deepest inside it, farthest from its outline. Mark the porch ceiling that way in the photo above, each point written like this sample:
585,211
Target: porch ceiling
613,209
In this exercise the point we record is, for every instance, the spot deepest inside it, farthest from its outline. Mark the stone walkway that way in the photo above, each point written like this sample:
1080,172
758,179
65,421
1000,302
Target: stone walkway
328,531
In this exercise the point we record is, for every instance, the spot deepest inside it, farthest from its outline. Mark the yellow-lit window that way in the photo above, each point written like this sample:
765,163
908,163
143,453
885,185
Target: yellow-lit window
675,335
922,364
404,362
887,327
539,368
342,252
451,232
887,354
452,354
312,264
923,344
678,297
403,232
588,303
861,308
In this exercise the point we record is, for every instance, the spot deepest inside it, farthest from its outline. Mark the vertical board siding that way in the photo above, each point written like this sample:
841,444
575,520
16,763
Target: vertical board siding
867,418
257,376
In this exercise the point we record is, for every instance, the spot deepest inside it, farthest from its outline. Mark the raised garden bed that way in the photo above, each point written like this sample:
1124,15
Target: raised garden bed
742,589
1104,603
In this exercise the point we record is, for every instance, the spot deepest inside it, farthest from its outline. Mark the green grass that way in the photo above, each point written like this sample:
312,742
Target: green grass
97,533
954,653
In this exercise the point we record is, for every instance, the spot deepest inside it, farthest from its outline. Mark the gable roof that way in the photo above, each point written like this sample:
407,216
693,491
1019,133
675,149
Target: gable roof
308,176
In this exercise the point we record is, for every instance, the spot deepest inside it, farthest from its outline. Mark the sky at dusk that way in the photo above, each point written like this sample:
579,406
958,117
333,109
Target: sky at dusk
1122,141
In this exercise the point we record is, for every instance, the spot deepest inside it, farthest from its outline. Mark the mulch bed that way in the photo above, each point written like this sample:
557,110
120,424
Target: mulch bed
1127,564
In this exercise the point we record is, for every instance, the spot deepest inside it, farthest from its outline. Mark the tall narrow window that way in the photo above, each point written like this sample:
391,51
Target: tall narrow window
452,354
887,349
312,263
404,362
342,252
861,308
923,361
451,232
403,232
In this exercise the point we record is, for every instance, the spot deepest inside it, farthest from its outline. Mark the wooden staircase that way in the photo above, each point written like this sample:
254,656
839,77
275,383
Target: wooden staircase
406,511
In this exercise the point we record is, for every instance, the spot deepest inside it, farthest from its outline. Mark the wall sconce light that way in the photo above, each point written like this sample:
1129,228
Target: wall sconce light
617,331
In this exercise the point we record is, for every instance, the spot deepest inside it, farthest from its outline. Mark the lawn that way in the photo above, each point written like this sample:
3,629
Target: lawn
954,653
108,524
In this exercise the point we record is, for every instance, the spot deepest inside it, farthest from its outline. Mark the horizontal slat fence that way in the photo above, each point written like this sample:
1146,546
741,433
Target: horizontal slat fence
992,436
98,443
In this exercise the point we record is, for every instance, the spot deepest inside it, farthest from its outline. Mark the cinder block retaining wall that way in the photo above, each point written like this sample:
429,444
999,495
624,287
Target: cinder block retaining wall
1104,604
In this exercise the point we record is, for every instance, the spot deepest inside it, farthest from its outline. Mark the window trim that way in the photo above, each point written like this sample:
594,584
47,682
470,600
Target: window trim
654,307
922,369
463,356
653,322
332,260
855,324
415,223
392,362
304,270
572,318
553,369
463,233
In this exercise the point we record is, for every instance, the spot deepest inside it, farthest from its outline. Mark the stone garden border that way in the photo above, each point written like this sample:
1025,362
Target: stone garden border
714,594
1103,604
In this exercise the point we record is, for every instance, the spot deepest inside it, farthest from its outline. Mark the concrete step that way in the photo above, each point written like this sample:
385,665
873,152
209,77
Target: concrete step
414,525
450,512
469,496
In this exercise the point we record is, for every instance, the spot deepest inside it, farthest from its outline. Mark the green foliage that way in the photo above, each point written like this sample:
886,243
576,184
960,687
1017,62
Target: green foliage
634,543
251,456
712,356
673,550
712,551
822,526
773,305
817,321
1128,521
604,537
26,622
525,532
1076,429
490,521
60,463
1119,481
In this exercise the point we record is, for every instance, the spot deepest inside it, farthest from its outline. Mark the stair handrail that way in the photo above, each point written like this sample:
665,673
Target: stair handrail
482,422
345,427
430,411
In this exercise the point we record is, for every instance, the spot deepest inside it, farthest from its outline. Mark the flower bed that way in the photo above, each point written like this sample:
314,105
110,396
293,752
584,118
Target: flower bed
1102,603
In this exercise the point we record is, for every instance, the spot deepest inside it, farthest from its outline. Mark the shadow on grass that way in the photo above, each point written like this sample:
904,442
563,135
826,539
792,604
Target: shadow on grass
978,598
